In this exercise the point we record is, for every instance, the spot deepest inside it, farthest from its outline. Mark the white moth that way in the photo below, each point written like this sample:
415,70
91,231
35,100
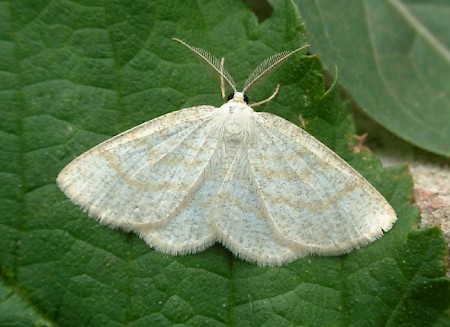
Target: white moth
258,184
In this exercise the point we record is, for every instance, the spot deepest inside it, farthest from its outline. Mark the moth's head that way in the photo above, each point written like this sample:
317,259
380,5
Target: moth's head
238,97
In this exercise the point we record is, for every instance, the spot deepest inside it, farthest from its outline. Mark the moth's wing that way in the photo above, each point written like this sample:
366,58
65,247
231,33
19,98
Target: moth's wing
314,199
240,222
188,231
147,174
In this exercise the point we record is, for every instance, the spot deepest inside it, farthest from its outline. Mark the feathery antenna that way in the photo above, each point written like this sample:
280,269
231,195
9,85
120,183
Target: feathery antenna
212,61
268,65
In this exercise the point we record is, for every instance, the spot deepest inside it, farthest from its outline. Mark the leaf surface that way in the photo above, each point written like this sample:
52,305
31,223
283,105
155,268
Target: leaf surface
393,58
75,73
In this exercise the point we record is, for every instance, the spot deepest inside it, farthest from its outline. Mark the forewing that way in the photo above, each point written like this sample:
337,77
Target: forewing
147,174
314,199
241,223
188,231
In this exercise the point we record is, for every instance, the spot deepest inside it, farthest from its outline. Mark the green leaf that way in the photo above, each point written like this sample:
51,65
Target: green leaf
74,73
394,61
15,311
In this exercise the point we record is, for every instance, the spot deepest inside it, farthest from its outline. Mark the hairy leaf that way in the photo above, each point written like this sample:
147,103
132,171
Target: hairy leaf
77,72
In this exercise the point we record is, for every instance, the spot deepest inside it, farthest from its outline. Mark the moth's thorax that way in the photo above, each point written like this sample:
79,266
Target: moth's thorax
238,97
236,119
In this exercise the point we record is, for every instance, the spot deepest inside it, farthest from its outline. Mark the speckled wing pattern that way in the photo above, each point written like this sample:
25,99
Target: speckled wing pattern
144,176
314,201
254,182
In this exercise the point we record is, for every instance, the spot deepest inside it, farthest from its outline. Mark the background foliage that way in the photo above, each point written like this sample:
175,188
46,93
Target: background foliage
394,61
74,73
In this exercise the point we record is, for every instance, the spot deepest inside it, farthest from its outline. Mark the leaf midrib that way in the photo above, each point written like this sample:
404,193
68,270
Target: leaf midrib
421,30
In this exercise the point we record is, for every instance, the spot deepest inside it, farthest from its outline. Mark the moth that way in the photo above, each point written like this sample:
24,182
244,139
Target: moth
257,183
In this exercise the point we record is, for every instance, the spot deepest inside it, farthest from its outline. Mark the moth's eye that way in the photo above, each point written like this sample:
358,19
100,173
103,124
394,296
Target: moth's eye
246,99
230,96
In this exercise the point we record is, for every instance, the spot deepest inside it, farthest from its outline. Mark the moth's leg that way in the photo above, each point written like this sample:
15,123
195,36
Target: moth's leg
222,81
268,99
